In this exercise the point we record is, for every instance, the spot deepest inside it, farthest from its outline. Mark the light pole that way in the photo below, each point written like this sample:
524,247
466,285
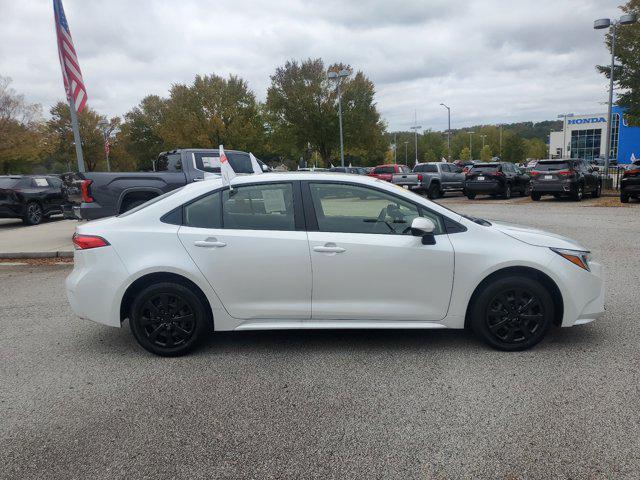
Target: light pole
564,116
106,128
415,128
448,131
338,76
405,152
550,132
612,26
483,137
470,146
500,155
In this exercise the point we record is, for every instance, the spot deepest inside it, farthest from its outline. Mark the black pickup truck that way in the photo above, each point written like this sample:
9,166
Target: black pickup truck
92,195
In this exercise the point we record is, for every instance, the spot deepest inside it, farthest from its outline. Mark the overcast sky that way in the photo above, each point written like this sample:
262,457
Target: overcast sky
492,61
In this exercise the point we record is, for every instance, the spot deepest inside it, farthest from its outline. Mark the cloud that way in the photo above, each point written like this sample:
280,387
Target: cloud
492,61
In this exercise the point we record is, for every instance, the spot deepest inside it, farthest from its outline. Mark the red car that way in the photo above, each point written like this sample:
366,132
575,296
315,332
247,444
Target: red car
386,172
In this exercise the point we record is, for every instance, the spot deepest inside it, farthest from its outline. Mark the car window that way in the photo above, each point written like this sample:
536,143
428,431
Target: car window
8,182
259,207
54,182
425,167
551,166
405,169
204,212
489,167
388,169
357,209
210,161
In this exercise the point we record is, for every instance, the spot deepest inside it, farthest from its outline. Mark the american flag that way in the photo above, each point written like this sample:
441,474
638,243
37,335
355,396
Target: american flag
71,74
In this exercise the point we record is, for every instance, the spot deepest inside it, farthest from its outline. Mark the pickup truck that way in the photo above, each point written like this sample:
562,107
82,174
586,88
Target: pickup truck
433,178
386,172
92,195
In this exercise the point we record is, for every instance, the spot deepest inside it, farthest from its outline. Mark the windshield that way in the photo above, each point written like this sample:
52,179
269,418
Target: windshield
551,166
149,202
489,167
425,168
8,182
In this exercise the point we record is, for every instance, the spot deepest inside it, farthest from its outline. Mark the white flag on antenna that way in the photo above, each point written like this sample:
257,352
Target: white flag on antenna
633,158
226,170
254,164
331,165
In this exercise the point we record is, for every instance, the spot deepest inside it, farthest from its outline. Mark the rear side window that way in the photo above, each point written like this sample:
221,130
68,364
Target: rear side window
388,169
204,212
425,169
259,207
210,161
171,162
552,166
491,167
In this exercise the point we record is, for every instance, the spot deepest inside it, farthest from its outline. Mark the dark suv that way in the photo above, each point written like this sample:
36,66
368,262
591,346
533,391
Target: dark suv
630,183
572,177
496,178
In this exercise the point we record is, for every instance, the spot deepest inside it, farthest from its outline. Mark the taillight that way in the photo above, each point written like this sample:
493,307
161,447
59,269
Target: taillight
565,173
86,192
420,177
533,173
85,242
498,174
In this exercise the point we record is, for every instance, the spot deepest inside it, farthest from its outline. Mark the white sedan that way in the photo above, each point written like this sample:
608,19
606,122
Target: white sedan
321,250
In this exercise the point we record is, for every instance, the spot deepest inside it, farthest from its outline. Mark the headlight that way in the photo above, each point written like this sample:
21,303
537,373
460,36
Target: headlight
577,257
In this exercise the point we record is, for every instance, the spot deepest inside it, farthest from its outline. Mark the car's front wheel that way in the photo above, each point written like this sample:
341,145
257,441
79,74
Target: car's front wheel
33,214
512,313
168,319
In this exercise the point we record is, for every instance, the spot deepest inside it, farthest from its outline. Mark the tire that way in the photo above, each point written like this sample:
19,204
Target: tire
512,313
597,192
507,192
578,193
536,196
33,214
526,191
471,195
168,319
434,191
624,198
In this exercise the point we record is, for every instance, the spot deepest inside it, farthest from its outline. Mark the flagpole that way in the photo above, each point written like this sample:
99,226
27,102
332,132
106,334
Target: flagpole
76,133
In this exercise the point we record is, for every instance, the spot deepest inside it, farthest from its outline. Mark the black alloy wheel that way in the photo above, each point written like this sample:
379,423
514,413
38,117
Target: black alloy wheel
507,191
168,319
33,214
513,313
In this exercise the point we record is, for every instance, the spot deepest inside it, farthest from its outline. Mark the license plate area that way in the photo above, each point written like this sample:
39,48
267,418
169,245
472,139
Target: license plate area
480,179
548,177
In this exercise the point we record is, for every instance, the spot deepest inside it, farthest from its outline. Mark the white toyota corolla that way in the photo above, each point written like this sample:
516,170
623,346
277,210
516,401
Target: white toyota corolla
316,250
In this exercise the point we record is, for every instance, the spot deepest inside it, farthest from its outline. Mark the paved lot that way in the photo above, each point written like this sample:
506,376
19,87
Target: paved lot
53,235
80,400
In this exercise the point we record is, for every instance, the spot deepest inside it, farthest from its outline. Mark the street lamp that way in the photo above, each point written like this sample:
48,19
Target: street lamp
415,128
470,146
405,152
107,129
564,116
612,26
483,137
338,76
448,130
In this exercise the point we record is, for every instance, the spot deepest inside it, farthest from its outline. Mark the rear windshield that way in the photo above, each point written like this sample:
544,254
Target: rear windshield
384,170
551,166
489,167
210,161
8,182
425,168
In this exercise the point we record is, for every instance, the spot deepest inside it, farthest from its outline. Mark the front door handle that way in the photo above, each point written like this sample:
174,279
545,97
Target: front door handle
329,248
209,243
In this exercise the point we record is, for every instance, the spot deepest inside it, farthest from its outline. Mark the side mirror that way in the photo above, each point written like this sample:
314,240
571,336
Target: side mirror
265,168
424,227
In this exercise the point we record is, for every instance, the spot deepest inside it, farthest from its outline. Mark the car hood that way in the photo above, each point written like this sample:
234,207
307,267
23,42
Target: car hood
536,237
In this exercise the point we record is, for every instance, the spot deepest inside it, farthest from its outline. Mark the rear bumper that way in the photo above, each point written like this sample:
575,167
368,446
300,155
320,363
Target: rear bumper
552,187
628,187
484,187
90,211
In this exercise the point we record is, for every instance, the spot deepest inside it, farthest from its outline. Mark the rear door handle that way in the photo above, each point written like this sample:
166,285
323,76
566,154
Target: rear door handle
329,248
209,243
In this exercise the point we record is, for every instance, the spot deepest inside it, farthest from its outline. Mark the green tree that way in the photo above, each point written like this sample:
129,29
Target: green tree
301,109
485,153
627,71
513,148
536,148
465,154
22,139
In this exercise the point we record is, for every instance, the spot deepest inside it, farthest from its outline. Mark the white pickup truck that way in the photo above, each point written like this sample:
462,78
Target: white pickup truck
433,178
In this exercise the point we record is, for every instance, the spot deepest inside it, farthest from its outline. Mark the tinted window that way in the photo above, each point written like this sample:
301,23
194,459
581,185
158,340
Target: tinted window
149,202
489,167
552,166
259,207
404,169
356,209
338,169
9,182
425,167
204,212
210,161
55,182
171,162
388,169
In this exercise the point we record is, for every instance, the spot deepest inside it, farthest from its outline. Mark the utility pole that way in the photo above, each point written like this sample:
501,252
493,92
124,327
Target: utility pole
471,146
448,131
338,77
415,128
564,116
405,152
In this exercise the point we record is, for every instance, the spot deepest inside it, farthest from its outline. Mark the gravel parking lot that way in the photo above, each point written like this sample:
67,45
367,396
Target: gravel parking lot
81,400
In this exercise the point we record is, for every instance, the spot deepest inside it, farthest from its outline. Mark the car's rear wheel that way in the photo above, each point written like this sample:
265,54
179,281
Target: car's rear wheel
512,313
434,191
168,319
471,195
624,198
535,196
598,191
33,214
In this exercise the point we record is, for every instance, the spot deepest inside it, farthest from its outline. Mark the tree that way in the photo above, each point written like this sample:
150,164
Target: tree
22,139
465,154
627,71
513,148
536,148
485,153
60,137
301,108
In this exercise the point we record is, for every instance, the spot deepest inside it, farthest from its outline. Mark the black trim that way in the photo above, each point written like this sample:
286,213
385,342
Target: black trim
452,226
311,220
174,217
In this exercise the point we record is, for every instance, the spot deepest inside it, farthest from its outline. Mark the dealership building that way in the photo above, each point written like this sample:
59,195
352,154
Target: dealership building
584,136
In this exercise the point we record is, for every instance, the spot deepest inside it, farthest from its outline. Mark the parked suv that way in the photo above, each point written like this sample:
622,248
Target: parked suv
386,172
433,178
496,178
572,177
630,183
30,198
